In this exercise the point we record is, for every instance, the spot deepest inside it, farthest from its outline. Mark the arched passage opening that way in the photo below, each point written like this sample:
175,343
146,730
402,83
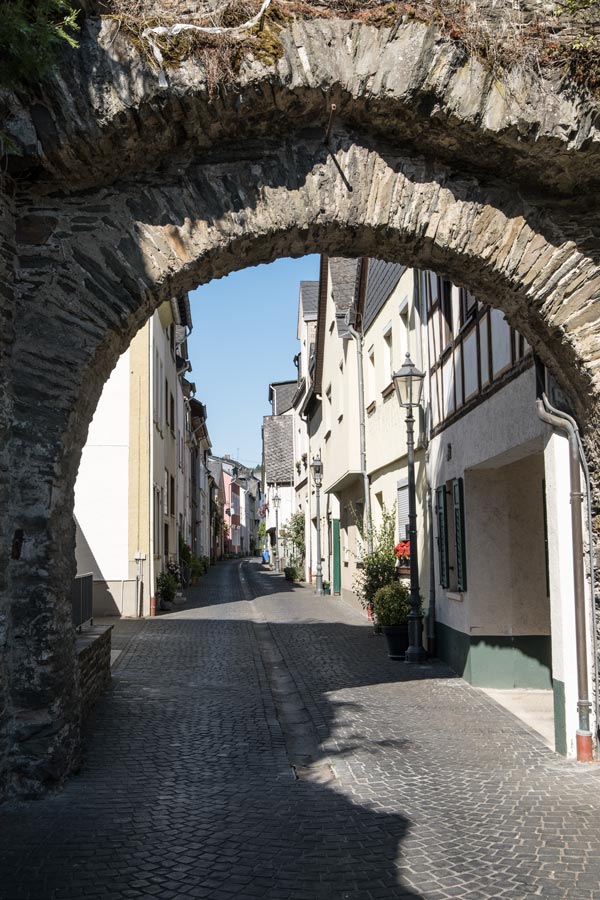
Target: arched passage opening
93,260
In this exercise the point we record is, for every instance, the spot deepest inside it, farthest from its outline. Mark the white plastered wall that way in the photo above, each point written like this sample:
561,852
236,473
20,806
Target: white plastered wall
101,489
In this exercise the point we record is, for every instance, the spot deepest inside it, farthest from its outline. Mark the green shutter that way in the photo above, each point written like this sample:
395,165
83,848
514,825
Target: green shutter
440,505
337,559
458,498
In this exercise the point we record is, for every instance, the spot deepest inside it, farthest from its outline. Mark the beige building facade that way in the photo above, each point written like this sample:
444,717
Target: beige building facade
134,496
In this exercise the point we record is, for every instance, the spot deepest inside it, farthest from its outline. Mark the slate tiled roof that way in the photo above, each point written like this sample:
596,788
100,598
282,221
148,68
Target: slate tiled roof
344,284
382,279
215,468
281,394
309,295
278,449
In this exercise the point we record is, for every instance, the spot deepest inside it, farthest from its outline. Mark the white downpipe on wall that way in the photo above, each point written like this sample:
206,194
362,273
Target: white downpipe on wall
151,573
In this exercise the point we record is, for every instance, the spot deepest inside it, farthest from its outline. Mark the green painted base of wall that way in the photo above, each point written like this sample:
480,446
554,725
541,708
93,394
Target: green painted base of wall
519,661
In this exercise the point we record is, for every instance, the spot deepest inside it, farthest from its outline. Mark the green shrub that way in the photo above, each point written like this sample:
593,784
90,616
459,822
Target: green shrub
196,567
377,560
293,573
166,587
30,35
390,604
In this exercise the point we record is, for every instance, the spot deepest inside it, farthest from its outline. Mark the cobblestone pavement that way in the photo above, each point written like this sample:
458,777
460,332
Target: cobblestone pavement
408,783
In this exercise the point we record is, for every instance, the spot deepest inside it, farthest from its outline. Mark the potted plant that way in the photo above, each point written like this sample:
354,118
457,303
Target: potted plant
377,559
391,609
402,553
166,588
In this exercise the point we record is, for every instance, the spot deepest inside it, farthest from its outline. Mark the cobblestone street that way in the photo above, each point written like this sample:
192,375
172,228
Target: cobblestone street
268,748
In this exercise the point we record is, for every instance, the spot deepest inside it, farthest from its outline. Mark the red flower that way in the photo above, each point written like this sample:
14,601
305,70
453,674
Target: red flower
402,550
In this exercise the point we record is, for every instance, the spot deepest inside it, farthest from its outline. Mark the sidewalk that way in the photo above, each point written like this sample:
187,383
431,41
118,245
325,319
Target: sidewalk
257,742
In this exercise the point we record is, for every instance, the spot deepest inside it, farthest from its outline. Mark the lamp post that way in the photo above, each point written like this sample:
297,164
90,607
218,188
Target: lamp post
408,382
317,470
276,503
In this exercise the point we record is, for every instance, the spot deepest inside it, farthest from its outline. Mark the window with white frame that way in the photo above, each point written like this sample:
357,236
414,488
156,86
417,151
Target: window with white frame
340,392
388,354
402,509
371,381
404,334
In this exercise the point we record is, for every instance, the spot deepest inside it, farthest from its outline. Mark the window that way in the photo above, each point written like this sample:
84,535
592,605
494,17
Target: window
388,354
446,330
161,407
403,310
451,537
172,412
166,494
166,546
157,518
402,510
156,387
172,496
371,378
172,338
167,401
340,393
467,305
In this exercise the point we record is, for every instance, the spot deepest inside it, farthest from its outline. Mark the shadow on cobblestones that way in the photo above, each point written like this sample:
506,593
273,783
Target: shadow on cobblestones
417,786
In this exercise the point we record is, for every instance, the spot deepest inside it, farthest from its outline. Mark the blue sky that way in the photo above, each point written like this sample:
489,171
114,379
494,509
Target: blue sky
244,337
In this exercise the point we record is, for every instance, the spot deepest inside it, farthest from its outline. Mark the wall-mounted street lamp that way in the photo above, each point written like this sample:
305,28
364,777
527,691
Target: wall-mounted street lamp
408,382
317,470
276,504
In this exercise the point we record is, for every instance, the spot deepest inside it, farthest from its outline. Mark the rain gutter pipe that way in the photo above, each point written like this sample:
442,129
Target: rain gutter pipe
356,335
557,419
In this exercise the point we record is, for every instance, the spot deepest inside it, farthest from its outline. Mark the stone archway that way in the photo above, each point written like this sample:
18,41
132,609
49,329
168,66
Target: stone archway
92,244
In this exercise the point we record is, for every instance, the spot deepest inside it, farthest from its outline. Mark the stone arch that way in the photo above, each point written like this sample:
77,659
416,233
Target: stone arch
96,251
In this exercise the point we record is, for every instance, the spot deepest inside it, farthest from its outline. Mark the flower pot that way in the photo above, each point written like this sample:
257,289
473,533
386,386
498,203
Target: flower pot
403,571
397,640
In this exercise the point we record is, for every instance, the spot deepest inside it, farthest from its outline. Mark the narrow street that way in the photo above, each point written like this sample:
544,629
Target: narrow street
267,747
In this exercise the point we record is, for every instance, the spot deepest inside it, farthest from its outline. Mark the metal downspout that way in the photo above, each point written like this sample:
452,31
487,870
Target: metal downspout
363,432
564,423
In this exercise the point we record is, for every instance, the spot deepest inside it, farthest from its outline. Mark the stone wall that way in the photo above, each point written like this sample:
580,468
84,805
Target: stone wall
7,279
131,192
93,652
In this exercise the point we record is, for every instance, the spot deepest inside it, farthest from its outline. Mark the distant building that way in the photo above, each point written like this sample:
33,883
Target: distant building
278,459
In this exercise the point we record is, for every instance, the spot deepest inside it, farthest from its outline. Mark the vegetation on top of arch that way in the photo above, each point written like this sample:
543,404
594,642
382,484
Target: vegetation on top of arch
30,35
566,42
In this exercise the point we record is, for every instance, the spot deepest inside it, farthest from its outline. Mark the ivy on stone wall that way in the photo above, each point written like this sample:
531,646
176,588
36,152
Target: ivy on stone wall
30,36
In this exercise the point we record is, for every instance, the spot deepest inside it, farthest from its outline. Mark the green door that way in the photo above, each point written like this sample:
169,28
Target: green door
337,561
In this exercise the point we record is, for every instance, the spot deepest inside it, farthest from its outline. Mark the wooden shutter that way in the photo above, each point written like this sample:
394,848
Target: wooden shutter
458,498
402,507
440,507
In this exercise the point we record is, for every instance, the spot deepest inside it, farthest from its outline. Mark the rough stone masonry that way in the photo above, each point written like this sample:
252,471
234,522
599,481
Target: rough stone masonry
128,192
